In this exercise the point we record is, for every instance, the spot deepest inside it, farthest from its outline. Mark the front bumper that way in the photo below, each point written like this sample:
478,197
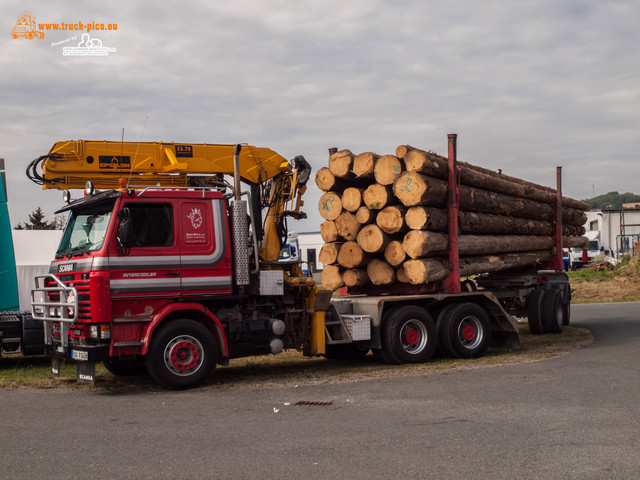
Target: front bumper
85,357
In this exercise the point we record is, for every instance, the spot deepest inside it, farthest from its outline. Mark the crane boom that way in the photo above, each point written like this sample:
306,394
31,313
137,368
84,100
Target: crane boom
69,164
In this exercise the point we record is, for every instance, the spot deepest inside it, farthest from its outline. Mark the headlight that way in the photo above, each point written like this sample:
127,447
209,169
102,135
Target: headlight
101,331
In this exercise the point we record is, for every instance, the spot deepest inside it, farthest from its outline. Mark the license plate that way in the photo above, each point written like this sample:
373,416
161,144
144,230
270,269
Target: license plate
79,355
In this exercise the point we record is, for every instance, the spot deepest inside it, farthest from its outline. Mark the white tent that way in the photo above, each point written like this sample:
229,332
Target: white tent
34,249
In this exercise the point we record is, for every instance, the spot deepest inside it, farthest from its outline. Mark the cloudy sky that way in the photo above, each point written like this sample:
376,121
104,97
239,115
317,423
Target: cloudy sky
527,85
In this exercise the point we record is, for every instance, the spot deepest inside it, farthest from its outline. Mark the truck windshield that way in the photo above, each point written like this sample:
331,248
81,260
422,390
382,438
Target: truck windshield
85,230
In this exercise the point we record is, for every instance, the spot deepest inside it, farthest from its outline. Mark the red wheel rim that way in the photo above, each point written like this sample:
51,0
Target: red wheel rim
412,336
184,355
468,332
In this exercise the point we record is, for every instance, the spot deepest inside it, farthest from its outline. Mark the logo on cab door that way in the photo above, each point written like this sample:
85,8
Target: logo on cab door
196,218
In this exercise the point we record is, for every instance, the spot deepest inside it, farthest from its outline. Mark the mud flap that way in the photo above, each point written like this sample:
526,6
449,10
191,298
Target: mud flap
86,372
55,366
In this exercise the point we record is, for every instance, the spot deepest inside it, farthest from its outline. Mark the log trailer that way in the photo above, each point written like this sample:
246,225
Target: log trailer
174,269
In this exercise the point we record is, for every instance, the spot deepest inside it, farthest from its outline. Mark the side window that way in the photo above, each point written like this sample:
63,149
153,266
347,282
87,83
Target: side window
152,224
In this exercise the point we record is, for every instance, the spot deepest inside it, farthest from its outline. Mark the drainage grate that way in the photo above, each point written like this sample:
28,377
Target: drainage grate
314,404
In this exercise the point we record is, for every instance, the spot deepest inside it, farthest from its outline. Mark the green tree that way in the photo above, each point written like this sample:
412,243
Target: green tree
37,222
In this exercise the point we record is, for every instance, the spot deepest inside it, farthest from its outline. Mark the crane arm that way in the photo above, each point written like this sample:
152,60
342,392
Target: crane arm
69,164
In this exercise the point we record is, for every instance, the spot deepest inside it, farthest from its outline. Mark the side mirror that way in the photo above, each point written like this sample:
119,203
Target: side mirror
124,236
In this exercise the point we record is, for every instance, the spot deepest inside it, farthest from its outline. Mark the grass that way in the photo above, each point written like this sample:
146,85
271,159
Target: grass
622,284
290,368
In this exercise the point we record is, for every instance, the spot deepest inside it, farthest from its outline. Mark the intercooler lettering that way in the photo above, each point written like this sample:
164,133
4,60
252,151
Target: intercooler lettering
139,275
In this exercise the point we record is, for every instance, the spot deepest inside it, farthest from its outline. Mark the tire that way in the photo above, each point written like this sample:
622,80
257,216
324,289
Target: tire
534,311
566,313
183,354
381,356
465,331
125,368
348,351
409,335
552,311
32,336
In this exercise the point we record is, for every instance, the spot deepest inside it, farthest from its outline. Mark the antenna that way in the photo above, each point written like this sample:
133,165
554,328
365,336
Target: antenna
137,148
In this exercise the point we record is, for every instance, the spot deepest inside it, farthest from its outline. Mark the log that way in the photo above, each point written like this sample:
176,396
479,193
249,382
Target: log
363,165
391,219
401,274
425,270
413,188
351,255
427,218
355,278
428,270
423,243
330,206
328,231
327,181
435,165
387,169
352,198
329,253
331,277
575,242
347,225
377,196
340,164
372,239
394,254
380,272
402,150
364,215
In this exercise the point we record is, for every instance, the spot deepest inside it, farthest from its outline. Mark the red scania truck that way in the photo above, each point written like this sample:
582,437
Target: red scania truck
174,269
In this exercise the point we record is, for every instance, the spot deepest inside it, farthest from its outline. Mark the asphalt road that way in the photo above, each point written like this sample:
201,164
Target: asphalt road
573,416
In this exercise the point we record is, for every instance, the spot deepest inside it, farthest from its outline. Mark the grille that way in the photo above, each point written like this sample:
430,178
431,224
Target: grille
82,286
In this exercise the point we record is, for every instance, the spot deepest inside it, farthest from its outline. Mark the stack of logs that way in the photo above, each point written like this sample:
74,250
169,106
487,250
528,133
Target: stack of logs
386,219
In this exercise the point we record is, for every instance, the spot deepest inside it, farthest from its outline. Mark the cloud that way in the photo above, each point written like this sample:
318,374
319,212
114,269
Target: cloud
526,85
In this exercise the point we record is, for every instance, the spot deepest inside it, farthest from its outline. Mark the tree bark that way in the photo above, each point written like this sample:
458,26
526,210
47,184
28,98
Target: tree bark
413,189
331,277
351,255
347,225
391,219
355,278
352,198
329,253
435,165
363,165
377,196
387,169
364,215
428,270
372,239
575,242
328,231
330,206
423,243
394,254
340,164
380,272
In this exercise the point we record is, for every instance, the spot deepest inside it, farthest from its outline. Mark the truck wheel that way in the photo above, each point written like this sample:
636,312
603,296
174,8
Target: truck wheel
566,312
125,368
32,336
552,311
183,353
409,335
534,311
465,331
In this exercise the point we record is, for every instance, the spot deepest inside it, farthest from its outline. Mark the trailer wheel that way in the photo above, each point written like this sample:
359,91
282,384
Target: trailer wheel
409,335
534,311
566,312
124,368
465,331
552,311
183,353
